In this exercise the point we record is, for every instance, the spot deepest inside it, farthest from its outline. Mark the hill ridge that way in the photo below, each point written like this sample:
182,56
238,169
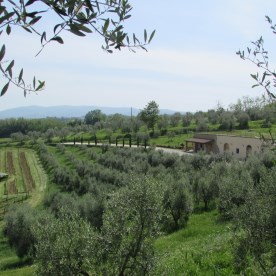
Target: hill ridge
67,111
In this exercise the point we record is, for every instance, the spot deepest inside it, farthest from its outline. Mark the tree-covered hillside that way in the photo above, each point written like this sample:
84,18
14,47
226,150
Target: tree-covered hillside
123,211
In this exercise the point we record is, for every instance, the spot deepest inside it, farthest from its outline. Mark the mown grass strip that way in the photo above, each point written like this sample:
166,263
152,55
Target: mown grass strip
32,171
20,185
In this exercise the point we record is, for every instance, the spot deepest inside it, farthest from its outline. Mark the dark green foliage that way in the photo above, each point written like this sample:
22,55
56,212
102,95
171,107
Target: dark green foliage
57,201
202,124
149,115
175,118
89,207
199,161
243,120
131,223
18,224
9,126
178,204
65,245
109,194
207,187
227,121
94,116
187,119
233,190
163,124
256,227
92,209
242,192
256,168
212,116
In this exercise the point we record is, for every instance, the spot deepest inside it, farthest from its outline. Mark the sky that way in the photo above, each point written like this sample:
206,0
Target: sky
191,63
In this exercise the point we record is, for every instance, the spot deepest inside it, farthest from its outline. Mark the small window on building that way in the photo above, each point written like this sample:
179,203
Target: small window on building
237,151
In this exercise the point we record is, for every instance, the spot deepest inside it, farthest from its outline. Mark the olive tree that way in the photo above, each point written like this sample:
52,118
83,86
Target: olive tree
259,56
17,228
130,224
65,245
178,204
106,18
255,226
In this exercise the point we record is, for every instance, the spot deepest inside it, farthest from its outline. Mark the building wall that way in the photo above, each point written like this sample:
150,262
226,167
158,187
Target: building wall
240,147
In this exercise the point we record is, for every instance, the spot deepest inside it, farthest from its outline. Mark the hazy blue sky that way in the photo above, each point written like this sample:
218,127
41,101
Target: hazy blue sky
190,65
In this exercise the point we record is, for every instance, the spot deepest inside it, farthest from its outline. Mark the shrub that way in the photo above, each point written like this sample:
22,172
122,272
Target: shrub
18,229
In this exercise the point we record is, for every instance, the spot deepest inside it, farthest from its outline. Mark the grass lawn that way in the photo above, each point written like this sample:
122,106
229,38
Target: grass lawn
10,264
175,141
202,248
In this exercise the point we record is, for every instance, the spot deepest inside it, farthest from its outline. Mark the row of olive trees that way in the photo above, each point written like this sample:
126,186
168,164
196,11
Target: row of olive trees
65,242
199,181
101,173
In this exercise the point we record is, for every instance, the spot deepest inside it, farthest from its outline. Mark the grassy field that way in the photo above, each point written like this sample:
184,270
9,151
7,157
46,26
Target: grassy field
10,264
202,248
175,136
26,177
32,171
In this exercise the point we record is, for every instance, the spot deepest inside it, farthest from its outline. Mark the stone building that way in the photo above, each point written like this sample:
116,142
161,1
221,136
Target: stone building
238,146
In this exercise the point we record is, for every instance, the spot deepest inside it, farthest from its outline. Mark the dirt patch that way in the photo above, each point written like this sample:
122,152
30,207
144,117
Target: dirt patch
9,165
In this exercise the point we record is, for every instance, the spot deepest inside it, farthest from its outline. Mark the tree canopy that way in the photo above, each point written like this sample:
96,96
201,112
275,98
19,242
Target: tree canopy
105,18
149,115
94,116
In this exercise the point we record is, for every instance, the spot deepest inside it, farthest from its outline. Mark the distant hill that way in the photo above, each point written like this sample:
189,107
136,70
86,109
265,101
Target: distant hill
35,112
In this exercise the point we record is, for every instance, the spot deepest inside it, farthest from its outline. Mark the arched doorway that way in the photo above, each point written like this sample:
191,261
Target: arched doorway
226,147
248,150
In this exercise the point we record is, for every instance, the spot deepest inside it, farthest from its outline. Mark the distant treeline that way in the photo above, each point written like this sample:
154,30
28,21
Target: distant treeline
236,116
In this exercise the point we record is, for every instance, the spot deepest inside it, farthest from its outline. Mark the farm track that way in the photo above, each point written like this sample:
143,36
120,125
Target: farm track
166,150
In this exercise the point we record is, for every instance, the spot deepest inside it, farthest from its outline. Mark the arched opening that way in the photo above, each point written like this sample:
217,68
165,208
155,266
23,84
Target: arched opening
226,147
248,150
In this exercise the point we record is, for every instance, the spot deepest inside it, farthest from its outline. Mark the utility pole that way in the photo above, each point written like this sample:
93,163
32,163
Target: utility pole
131,114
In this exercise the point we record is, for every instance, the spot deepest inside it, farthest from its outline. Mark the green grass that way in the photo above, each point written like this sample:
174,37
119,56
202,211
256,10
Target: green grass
174,142
255,128
10,264
18,173
38,174
59,156
75,150
202,248
23,271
